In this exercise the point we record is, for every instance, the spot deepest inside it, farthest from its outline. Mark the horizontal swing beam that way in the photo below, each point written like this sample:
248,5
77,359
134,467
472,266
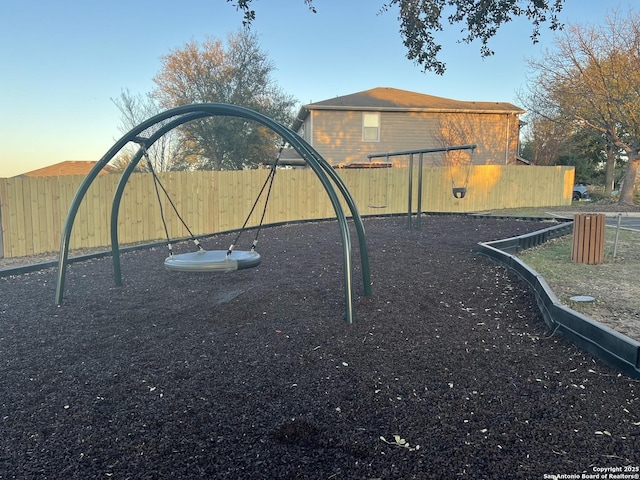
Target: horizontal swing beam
423,150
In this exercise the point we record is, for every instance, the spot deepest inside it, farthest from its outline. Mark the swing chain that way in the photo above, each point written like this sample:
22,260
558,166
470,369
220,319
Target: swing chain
460,192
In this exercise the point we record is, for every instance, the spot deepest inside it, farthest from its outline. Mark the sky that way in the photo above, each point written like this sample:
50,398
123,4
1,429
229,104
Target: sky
63,62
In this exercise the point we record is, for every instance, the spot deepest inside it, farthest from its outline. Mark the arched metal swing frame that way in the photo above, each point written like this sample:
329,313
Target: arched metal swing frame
176,117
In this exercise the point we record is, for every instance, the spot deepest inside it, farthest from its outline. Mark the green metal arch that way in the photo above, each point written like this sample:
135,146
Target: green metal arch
180,115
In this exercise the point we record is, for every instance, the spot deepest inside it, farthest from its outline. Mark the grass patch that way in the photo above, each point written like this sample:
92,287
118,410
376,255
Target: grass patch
613,282
533,212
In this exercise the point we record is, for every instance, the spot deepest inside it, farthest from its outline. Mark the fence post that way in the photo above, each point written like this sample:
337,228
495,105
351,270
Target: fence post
588,238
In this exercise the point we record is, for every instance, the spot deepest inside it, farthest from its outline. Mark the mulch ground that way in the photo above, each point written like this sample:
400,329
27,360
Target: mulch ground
448,372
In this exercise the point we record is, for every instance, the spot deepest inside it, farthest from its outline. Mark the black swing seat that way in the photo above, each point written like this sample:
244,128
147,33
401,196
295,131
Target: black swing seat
212,261
459,192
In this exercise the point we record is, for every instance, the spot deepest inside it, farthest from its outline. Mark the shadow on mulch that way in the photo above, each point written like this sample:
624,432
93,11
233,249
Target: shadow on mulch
254,374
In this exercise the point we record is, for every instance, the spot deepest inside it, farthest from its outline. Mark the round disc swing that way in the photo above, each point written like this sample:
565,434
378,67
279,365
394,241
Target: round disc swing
213,261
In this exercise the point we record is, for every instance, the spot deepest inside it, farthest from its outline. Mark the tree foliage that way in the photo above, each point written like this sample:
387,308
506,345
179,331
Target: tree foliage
592,79
238,73
420,20
586,150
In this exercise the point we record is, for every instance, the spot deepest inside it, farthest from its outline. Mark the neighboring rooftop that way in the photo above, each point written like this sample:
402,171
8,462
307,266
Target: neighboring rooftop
69,167
393,99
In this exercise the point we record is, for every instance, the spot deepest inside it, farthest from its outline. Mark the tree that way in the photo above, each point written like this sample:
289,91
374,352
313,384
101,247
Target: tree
481,20
544,138
554,141
585,149
239,74
592,79
134,110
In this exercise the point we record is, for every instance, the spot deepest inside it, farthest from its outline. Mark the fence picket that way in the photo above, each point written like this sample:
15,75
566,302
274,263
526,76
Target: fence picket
33,210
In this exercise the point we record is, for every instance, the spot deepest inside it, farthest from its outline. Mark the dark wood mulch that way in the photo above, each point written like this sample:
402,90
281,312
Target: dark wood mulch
448,372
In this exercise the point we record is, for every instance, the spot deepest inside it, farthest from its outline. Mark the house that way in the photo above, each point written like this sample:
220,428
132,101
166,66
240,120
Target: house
346,129
69,167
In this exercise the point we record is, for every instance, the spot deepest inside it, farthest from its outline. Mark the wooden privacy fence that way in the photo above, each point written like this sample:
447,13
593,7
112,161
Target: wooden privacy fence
33,209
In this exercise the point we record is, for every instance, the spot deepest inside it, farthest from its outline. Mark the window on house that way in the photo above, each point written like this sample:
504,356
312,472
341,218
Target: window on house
371,127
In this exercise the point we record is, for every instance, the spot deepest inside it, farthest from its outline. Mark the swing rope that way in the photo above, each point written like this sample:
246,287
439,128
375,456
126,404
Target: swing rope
466,179
268,182
214,260
157,184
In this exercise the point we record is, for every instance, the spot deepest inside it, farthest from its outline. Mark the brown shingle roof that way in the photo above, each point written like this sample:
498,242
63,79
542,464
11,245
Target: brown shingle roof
393,99
70,167
385,98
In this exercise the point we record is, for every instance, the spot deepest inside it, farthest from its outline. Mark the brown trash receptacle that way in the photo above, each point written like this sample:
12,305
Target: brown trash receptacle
588,238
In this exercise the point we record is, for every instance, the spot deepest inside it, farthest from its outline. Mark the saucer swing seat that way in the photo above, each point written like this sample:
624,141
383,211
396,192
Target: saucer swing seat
213,261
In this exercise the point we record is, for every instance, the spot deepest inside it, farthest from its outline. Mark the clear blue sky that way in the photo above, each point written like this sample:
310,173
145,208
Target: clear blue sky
63,61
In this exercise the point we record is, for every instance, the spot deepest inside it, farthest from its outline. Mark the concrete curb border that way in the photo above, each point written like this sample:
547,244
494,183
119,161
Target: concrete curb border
601,341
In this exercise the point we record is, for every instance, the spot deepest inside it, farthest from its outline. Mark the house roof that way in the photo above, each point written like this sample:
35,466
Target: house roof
396,100
69,167
291,158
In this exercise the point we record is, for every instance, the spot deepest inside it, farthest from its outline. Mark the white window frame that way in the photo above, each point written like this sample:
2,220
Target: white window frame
368,127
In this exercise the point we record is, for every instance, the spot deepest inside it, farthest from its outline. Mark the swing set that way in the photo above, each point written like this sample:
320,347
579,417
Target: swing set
217,260
457,191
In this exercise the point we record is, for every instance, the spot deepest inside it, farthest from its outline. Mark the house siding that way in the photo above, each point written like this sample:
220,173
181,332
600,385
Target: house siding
337,135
